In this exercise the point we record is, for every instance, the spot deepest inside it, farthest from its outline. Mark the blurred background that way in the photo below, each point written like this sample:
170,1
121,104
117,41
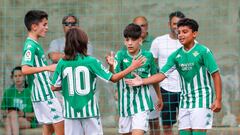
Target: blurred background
104,21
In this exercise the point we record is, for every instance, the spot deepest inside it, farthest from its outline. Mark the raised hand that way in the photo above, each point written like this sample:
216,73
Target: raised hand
110,59
137,81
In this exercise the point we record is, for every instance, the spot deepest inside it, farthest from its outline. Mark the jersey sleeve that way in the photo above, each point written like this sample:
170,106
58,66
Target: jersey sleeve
57,80
154,48
209,61
28,55
100,70
169,67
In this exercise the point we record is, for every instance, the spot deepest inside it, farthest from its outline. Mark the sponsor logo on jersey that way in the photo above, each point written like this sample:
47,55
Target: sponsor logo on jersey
28,55
186,66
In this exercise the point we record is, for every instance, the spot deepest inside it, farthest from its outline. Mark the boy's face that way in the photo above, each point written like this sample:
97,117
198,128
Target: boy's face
133,45
186,36
41,28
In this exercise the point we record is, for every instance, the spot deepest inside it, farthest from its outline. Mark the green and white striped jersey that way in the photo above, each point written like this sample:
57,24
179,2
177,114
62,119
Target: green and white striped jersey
78,81
132,100
195,68
33,55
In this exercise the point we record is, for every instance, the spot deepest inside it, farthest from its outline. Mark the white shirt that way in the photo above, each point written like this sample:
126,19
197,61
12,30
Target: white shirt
162,47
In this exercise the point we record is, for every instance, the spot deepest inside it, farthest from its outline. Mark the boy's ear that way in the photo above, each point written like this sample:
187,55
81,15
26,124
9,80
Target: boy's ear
34,27
195,34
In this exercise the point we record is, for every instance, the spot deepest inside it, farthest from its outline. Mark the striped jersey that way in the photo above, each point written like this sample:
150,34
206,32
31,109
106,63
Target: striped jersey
78,81
33,55
195,67
132,100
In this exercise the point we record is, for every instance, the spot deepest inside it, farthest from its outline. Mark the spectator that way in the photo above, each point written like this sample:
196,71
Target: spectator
17,106
56,47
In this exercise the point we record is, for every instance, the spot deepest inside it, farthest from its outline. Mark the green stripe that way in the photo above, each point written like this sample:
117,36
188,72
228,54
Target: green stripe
93,106
193,94
148,98
122,99
42,88
200,101
87,110
135,92
206,88
182,92
140,98
128,101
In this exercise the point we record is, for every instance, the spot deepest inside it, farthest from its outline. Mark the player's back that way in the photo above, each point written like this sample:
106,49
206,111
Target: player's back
78,82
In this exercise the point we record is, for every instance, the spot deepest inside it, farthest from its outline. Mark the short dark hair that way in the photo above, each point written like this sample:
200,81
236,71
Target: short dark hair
14,69
76,43
192,24
132,31
34,17
70,15
178,14
12,75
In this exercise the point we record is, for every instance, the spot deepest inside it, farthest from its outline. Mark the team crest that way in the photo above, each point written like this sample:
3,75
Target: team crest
28,55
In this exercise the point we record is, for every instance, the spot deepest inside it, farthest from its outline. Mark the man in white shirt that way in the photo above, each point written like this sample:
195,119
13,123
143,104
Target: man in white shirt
161,49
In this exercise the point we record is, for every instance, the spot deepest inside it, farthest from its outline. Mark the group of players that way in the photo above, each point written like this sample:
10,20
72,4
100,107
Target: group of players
75,74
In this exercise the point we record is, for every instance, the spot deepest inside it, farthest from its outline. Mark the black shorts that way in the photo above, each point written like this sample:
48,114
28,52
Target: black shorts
170,107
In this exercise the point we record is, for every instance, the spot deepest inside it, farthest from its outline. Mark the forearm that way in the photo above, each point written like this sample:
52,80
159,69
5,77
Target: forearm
31,70
217,85
154,79
116,77
157,90
55,88
111,69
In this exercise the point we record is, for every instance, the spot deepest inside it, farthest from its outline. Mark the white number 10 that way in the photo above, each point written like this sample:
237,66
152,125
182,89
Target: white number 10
74,82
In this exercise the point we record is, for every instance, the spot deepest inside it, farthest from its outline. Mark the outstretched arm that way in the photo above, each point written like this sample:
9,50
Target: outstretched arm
217,104
31,70
137,81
